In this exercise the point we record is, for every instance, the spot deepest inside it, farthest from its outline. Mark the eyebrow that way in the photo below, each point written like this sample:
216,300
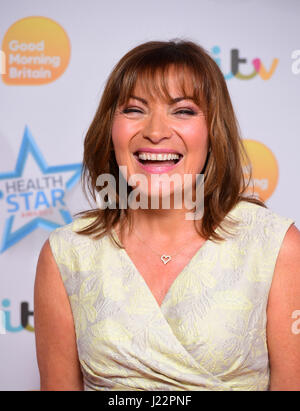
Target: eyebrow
173,100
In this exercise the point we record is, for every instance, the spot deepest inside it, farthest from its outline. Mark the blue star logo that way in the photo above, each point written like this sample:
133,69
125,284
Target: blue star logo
29,146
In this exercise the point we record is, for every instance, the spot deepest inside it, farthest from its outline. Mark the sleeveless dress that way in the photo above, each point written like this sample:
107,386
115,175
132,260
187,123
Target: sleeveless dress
209,332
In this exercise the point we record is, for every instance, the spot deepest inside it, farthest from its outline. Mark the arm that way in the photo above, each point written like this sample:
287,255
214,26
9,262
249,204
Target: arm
284,300
54,328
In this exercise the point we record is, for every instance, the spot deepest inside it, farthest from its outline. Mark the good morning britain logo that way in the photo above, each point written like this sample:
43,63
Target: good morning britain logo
33,194
35,51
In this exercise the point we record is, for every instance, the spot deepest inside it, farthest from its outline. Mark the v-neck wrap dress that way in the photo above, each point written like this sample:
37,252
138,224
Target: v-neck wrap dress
209,332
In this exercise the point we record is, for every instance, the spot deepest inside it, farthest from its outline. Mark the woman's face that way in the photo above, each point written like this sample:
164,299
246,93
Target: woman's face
174,134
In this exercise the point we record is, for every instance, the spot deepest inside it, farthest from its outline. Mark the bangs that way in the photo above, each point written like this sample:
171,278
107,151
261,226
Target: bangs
153,79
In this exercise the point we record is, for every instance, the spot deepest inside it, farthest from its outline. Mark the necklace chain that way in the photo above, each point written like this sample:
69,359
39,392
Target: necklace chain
165,258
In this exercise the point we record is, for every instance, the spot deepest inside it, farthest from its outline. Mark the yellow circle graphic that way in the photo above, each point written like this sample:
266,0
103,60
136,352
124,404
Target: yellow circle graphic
264,168
36,51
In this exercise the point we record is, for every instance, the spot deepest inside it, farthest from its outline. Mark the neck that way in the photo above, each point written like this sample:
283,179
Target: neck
163,226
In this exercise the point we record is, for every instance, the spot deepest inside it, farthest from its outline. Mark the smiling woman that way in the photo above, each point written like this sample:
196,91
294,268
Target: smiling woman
143,298
175,97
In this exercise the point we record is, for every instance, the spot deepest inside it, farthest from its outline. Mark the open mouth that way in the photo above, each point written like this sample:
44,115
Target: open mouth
158,160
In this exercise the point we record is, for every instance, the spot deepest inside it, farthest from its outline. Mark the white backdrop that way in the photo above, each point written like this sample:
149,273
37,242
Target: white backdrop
52,120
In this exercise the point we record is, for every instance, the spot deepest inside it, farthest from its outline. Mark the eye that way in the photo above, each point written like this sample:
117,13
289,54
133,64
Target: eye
185,111
132,110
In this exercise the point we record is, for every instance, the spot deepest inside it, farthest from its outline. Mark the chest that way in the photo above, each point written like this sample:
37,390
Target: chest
159,276
214,315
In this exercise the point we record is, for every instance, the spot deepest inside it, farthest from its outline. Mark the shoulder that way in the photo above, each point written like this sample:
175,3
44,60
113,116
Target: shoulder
287,269
60,254
66,244
288,261
68,233
262,221
72,227
254,212
260,233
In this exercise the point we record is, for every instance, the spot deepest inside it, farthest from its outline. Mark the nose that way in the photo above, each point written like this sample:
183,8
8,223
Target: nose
157,127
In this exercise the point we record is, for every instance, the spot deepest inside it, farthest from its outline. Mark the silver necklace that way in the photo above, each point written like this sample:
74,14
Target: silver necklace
165,258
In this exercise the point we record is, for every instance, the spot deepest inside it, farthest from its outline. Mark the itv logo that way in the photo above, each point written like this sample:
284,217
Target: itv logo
239,65
6,320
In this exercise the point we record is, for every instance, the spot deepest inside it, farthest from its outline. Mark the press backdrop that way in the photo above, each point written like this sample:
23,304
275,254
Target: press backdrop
55,58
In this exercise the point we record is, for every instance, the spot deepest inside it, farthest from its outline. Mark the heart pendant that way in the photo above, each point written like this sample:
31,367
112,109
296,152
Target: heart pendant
165,258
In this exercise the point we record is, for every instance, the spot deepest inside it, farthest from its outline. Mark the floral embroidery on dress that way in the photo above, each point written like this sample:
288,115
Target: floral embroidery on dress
208,334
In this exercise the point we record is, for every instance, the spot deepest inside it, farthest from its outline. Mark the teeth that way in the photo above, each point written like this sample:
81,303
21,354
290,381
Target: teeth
158,157
142,156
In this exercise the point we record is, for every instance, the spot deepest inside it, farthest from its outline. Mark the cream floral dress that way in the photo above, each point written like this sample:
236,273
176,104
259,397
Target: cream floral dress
209,332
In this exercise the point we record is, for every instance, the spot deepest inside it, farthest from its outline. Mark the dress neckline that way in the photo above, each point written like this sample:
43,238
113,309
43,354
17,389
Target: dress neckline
208,243
176,279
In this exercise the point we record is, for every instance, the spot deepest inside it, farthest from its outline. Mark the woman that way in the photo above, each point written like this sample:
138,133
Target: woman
187,303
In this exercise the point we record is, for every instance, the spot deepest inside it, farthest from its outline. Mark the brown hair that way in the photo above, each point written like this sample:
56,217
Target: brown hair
225,183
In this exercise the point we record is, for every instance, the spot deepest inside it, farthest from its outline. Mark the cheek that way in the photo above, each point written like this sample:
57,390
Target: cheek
118,140
122,132
118,134
197,139
121,136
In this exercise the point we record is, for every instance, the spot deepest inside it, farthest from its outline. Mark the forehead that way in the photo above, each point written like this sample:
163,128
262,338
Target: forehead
163,84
